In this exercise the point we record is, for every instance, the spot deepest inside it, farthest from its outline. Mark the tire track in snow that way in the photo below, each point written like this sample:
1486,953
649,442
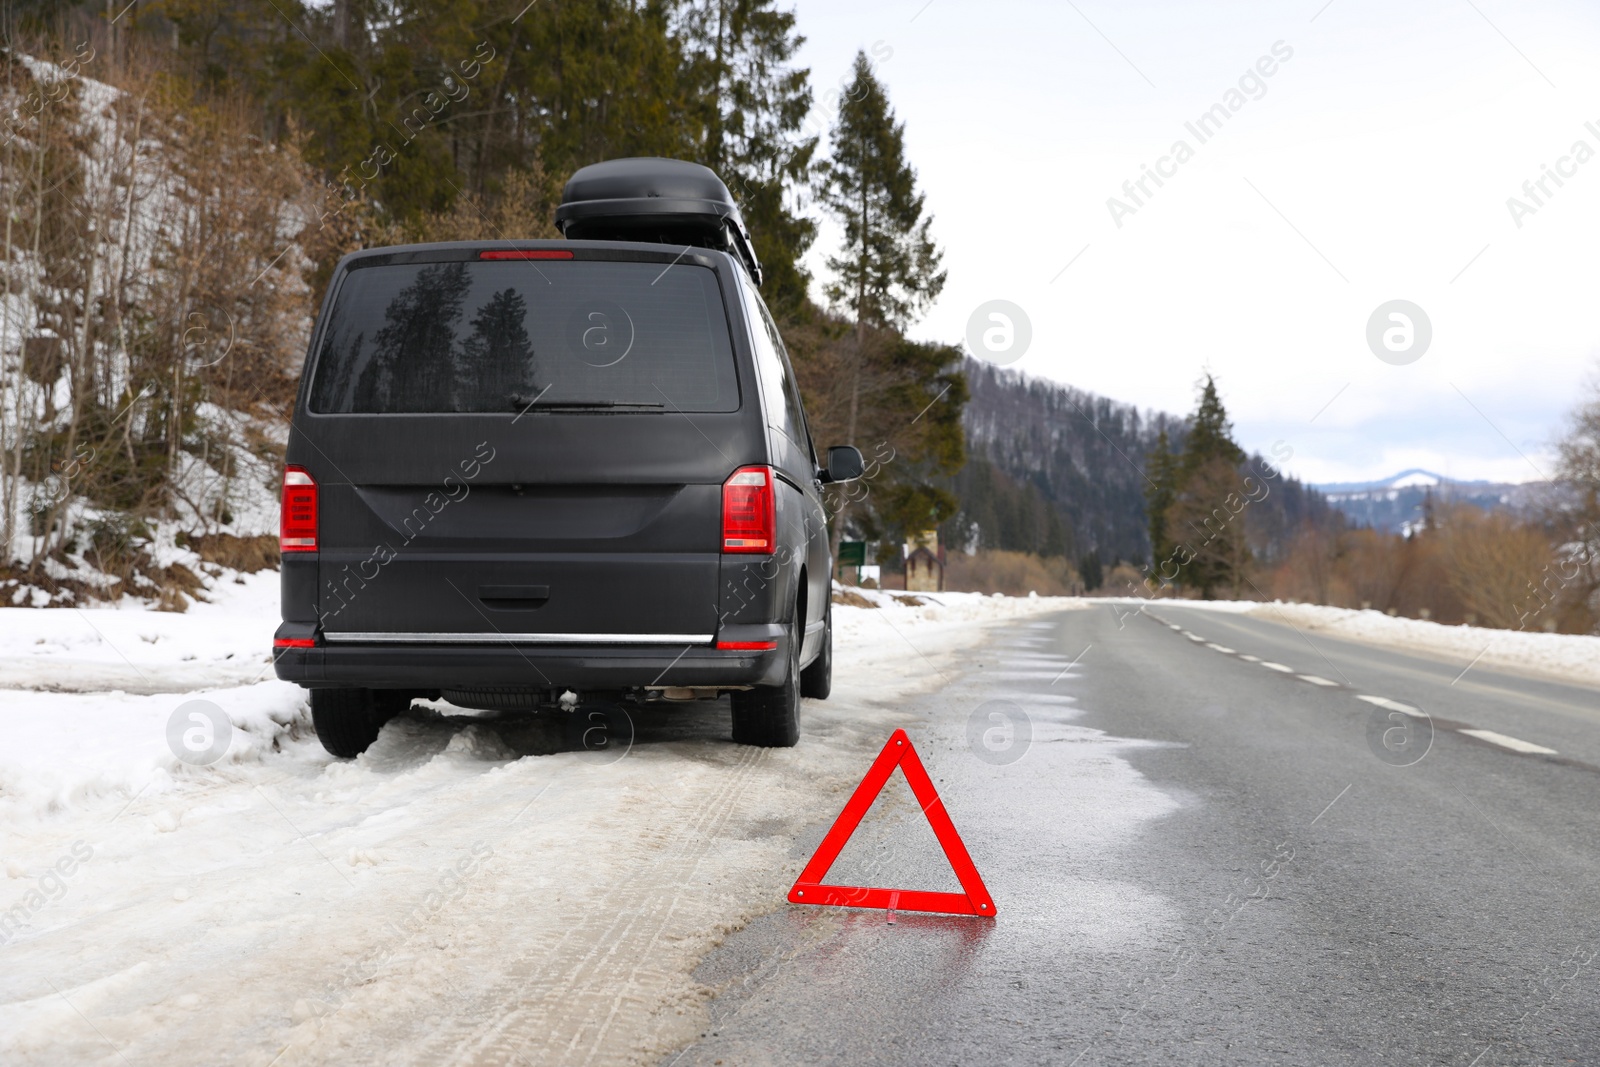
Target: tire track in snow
559,1006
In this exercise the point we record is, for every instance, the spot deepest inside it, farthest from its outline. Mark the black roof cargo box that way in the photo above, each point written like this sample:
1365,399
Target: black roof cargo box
654,199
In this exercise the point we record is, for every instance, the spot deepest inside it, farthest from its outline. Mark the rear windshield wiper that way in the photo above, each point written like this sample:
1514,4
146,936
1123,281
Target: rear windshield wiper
528,403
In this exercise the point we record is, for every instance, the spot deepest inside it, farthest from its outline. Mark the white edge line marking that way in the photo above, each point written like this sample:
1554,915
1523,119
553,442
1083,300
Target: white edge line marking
1514,744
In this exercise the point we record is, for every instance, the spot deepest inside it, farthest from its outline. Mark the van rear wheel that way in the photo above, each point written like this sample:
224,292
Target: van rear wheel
768,716
349,720
816,681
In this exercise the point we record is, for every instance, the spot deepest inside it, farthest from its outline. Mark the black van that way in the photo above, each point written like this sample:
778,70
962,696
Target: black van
528,472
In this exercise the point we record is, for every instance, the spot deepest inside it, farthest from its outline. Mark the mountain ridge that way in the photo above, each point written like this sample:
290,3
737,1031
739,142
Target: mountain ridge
1411,477
1056,470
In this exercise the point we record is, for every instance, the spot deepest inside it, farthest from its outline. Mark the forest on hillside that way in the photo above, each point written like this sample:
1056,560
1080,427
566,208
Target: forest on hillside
1058,471
1071,492
178,179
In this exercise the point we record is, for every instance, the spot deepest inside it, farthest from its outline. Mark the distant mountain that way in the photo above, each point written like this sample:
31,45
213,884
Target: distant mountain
1398,503
1416,477
1059,471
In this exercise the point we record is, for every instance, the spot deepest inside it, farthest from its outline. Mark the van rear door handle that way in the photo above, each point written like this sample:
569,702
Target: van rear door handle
513,597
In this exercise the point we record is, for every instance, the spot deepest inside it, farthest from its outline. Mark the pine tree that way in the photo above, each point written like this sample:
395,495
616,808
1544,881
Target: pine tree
750,106
1092,571
413,357
914,444
889,268
1205,518
497,360
1210,433
1160,491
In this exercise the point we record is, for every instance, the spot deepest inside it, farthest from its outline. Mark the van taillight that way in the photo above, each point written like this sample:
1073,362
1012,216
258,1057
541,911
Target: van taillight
748,514
297,530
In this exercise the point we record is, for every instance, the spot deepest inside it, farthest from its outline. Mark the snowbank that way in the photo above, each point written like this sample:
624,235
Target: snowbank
1569,657
1573,657
437,894
123,645
86,694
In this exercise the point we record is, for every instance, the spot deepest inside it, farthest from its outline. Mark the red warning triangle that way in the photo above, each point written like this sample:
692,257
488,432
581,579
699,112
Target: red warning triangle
974,898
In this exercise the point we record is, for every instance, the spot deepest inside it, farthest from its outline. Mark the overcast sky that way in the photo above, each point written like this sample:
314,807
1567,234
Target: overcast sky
1374,164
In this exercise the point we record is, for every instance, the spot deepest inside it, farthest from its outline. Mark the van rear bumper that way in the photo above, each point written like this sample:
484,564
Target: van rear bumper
463,665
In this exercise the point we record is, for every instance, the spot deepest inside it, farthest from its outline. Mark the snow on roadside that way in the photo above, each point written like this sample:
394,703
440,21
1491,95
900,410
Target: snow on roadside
1567,657
124,645
410,904
105,681
1573,657
63,750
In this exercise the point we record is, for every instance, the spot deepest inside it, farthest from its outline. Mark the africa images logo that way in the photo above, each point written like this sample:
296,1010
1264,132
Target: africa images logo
1399,332
1536,192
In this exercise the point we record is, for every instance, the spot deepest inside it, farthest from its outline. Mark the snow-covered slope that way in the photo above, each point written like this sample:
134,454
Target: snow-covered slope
134,195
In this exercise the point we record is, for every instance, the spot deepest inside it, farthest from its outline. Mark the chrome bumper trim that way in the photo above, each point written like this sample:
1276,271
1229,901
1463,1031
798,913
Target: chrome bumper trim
492,638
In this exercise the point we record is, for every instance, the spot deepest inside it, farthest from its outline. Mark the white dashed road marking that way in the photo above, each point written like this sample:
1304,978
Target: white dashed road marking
1225,650
1514,744
1390,705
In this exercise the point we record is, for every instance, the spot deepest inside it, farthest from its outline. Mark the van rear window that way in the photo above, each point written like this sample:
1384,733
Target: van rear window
499,336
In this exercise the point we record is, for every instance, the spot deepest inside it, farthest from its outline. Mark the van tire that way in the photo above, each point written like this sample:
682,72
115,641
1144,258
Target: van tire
348,720
768,716
816,681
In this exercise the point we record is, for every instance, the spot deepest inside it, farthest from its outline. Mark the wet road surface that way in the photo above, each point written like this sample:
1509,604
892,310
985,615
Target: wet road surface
1212,839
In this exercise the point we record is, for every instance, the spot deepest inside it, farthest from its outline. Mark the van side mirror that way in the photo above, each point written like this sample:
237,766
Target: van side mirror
844,464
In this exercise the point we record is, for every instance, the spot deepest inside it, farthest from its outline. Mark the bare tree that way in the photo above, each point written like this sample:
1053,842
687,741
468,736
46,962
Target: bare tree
1576,517
1493,562
154,306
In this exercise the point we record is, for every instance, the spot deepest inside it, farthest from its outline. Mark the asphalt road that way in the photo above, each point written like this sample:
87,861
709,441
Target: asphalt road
1199,857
